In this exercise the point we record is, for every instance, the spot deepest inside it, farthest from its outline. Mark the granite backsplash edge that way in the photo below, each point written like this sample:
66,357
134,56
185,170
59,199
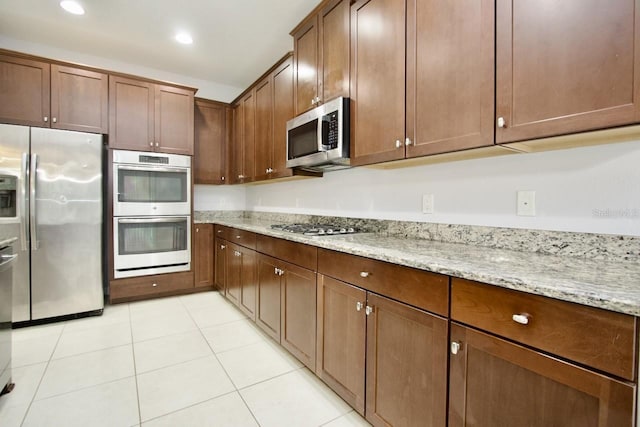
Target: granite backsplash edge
601,247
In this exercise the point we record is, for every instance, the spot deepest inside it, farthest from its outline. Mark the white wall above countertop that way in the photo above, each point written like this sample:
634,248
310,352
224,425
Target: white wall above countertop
591,189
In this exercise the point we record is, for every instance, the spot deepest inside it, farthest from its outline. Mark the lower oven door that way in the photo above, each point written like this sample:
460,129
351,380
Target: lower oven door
151,245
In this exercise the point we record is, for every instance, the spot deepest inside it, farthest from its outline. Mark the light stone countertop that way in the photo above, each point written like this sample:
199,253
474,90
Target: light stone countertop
604,284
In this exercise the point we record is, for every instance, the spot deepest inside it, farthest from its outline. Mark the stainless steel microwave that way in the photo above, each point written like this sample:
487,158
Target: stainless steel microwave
319,139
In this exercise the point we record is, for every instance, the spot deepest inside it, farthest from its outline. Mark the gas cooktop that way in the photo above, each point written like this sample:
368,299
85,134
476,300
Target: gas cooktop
315,229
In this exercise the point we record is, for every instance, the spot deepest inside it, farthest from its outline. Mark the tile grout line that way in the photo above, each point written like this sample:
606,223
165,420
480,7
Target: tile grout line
222,366
135,368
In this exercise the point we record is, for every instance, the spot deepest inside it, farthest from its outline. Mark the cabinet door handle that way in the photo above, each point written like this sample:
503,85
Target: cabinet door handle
523,319
154,285
54,120
456,347
502,123
46,119
368,310
364,274
236,253
359,306
407,142
398,143
222,247
197,230
222,178
157,144
151,144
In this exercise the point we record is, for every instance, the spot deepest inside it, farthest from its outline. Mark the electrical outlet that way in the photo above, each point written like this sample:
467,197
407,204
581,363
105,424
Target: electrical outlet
427,203
526,205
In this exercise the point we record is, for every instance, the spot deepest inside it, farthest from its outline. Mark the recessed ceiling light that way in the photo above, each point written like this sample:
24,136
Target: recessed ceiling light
184,38
72,6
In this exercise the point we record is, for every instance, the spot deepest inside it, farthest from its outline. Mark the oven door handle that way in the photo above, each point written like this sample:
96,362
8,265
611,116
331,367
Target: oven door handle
152,168
147,220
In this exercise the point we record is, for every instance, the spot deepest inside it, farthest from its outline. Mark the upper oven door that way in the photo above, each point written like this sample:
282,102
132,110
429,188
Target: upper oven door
151,190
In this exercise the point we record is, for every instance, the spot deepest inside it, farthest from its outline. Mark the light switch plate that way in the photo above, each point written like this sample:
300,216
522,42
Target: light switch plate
427,203
526,203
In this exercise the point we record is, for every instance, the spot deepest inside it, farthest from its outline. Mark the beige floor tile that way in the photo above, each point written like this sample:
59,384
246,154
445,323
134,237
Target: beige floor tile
170,350
233,335
98,337
147,328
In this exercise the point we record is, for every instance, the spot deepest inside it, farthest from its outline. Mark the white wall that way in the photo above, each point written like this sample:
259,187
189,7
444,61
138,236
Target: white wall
219,198
570,186
206,89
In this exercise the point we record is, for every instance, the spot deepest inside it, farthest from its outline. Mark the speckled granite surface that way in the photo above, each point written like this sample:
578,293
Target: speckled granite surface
598,283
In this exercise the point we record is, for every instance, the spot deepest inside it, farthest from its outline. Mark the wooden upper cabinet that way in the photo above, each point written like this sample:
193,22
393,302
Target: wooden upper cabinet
148,117
174,120
282,112
497,383
377,81
24,90
450,75
321,56
210,141
236,164
203,255
131,114
79,99
305,46
264,128
567,68
248,136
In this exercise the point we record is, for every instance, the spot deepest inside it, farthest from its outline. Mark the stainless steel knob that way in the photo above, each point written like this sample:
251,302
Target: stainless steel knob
407,142
222,178
456,347
197,230
151,144
368,310
54,120
502,122
359,306
154,284
223,247
240,176
236,253
398,143
523,318
46,119
364,274
157,144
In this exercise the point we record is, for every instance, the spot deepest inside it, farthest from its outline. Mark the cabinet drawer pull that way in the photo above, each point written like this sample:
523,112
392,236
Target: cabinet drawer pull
502,123
456,347
364,274
154,284
359,306
46,119
398,143
368,310
238,236
523,319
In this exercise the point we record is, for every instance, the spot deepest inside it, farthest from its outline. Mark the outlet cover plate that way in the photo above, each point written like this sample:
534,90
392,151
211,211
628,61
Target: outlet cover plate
427,203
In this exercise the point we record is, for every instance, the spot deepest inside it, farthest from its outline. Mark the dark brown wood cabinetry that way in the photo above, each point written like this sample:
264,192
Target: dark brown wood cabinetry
269,304
243,151
241,281
264,128
146,116
494,382
203,255
321,55
37,93
282,112
447,69
210,142
567,68
220,270
143,287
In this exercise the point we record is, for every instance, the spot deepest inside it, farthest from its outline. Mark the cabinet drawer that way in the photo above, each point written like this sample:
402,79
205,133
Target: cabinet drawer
239,237
602,339
150,285
421,289
296,253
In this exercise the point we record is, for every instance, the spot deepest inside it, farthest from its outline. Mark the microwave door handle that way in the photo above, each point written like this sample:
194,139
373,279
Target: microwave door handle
148,220
151,168
320,146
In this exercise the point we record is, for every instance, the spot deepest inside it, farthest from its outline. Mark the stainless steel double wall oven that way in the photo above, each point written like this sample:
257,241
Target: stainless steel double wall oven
151,213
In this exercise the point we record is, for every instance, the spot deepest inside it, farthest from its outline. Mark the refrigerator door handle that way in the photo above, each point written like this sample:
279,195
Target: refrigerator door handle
32,202
24,193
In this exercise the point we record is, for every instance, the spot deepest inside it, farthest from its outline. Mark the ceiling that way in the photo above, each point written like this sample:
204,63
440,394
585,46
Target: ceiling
234,41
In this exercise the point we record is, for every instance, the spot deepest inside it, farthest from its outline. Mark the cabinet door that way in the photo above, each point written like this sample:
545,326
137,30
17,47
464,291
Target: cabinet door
496,383
341,339
79,99
131,109
209,159
567,67
282,112
298,317
264,129
377,81
236,155
248,136
248,285
305,47
203,255
220,269
234,274
406,366
24,85
173,120
268,311
450,75
334,50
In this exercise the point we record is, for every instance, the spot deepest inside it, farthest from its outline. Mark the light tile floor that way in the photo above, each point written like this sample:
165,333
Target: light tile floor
183,361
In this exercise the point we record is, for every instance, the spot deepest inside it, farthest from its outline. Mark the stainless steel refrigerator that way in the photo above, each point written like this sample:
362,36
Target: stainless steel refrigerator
51,200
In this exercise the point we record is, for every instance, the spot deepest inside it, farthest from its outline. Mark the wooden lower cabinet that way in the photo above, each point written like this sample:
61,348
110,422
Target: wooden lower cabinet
496,383
341,337
203,256
143,287
220,270
268,310
298,315
406,356
241,283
